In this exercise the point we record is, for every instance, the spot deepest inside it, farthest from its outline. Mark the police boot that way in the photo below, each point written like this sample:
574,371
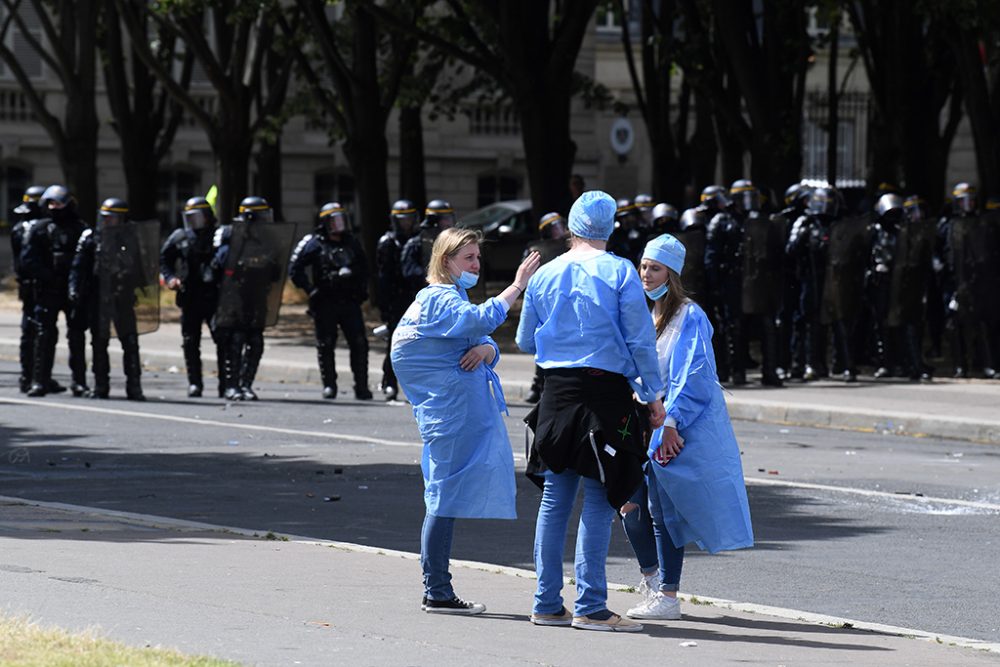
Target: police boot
233,362
359,368
737,370
27,354
251,360
40,371
220,367
192,362
327,368
78,362
52,387
133,368
389,386
769,353
537,384
101,366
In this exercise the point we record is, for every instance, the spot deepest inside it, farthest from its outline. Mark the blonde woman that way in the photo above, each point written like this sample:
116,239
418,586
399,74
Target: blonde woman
444,358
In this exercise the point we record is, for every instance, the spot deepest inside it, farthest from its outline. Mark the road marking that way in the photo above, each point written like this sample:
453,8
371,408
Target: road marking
757,481
212,422
155,521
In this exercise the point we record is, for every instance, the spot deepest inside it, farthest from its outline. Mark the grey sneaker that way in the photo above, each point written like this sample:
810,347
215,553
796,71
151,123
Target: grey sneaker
613,624
562,618
659,608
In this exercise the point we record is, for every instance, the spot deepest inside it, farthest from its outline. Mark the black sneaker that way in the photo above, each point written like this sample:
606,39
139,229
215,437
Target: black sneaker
453,606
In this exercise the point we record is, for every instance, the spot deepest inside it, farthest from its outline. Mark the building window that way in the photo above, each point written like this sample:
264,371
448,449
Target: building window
15,181
493,119
175,186
851,138
609,20
496,187
331,185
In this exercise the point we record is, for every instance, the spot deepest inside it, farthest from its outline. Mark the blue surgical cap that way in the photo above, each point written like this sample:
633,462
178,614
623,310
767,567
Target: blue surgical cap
666,250
593,215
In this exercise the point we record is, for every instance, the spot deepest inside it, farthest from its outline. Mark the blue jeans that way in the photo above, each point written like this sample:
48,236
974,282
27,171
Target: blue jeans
638,525
671,557
435,550
592,539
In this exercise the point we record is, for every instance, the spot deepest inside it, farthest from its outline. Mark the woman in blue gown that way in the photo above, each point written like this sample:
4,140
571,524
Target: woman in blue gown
695,477
444,360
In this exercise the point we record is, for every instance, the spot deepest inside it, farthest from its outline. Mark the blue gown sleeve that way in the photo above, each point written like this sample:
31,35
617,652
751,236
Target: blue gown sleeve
487,340
525,337
640,337
451,316
693,379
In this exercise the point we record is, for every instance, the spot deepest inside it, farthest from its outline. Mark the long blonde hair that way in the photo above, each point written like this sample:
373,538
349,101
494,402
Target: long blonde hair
446,245
676,297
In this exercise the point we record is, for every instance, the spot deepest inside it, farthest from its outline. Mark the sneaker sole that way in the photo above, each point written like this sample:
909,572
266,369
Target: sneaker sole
551,622
607,628
454,612
654,617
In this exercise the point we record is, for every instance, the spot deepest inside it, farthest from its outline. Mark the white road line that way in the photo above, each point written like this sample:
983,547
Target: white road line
212,422
757,481
746,607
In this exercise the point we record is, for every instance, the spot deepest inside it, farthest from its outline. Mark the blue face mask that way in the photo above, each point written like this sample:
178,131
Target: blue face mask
656,293
466,280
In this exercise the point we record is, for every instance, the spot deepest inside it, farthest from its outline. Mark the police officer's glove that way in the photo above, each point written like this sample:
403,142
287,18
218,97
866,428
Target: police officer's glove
937,265
345,272
953,305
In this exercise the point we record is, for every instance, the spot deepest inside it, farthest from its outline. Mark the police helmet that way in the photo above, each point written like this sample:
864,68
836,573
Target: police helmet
623,208
915,208
886,188
664,215
691,217
889,207
113,212
403,216
993,204
552,226
964,197
333,218
56,196
33,194
745,195
824,202
644,202
255,209
715,198
198,214
797,194
440,214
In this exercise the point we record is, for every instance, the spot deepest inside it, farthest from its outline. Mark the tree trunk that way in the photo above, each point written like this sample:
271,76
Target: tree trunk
833,102
78,156
268,161
549,150
412,177
368,154
977,106
703,148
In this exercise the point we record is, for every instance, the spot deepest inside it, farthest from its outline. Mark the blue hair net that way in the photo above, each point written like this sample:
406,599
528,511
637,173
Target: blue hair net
593,215
666,250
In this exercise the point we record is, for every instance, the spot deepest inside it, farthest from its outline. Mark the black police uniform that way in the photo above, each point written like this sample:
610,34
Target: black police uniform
394,292
334,273
724,274
46,256
808,243
21,218
184,256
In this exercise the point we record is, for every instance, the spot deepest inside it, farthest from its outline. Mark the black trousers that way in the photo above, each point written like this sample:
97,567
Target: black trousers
328,316
198,309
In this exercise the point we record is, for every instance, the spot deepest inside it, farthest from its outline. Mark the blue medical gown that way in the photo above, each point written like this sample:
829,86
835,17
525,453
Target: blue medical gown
705,499
467,460
591,313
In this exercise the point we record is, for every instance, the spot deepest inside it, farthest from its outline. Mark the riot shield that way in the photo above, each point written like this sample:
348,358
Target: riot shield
693,273
128,285
843,288
975,246
763,261
908,282
254,274
427,238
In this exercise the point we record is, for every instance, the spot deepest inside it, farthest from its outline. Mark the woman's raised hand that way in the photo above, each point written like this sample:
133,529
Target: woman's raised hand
527,269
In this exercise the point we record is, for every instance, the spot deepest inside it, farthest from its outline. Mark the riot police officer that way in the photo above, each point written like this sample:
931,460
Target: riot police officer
183,259
438,216
394,294
644,209
691,232
247,273
23,215
795,200
553,236
967,256
885,233
330,266
807,247
628,238
46,256
106,271
724,274
763,251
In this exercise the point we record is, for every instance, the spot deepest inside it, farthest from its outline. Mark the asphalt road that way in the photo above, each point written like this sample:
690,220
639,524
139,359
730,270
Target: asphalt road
840,528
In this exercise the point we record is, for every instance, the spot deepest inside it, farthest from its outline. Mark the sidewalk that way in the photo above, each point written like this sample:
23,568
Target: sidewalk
232,594
946,408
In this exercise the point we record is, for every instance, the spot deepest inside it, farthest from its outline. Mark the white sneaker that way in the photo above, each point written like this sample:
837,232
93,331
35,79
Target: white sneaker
660,608
649,586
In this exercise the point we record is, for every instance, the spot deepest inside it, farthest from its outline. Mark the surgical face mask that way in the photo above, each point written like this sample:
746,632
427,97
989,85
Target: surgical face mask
656,292
466,280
